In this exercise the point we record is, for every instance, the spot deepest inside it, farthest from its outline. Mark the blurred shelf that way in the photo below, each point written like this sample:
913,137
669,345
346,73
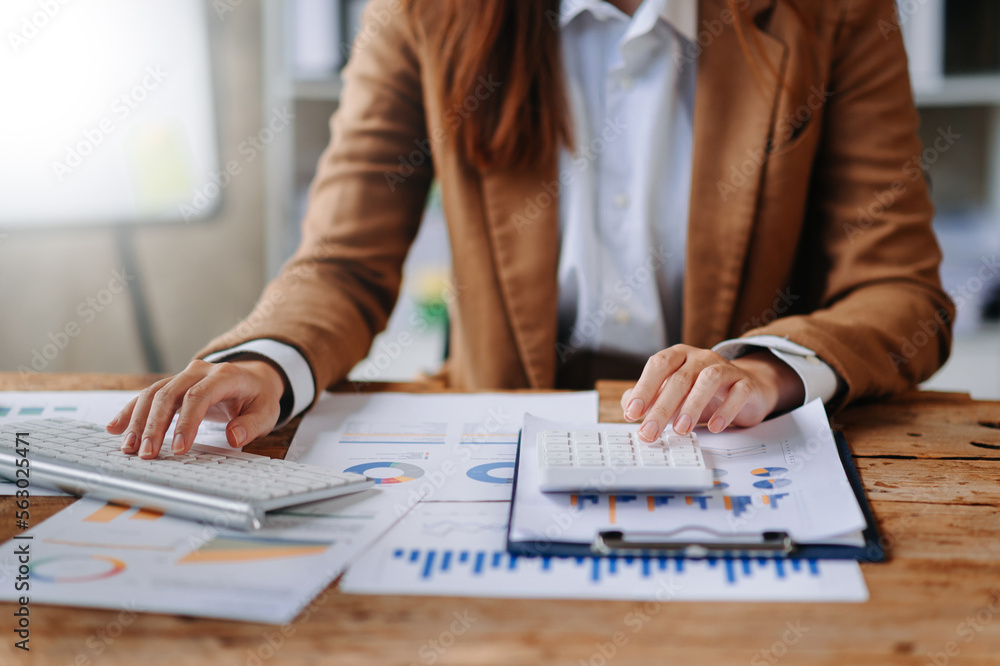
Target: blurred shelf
972,90
323,90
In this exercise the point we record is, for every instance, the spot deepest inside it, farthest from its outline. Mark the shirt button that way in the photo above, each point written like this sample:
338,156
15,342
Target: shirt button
621,200
622,316
626,83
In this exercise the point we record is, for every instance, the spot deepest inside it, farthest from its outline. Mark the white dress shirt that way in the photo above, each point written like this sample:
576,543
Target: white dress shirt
626,190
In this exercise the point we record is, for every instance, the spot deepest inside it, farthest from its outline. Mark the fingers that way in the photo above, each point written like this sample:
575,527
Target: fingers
738,397
711,381
681,384
120,421
248,393
197,400
230,385
137,417
163,404
658,369
249,426
675,390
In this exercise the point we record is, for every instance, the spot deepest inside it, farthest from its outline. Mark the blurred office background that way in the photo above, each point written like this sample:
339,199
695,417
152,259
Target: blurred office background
204,165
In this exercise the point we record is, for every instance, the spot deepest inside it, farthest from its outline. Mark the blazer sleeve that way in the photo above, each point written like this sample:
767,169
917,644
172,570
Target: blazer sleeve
365,204
882,319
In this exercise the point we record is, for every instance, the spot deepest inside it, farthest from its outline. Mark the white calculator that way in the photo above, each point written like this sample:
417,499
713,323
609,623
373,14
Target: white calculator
608,461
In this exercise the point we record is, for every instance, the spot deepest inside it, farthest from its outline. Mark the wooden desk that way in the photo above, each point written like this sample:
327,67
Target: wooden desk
930,463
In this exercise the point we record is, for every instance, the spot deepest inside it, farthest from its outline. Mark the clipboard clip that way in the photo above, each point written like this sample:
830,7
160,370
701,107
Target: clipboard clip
644,544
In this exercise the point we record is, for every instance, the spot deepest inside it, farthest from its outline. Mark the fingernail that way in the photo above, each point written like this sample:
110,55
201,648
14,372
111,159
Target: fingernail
717,424
129,442
113,422
239,435
649,430
177,445
634,409
146,448
683,424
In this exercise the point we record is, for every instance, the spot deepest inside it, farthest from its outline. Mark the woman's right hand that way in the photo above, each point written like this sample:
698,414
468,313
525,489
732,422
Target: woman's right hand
245,394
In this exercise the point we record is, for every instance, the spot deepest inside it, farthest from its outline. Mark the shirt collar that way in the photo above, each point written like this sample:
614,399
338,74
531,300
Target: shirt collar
682,15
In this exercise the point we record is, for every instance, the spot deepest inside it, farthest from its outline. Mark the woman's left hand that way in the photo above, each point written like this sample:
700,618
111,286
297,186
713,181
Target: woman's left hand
688,385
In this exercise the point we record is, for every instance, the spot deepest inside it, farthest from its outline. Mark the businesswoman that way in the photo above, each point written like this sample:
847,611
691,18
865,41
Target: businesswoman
720,199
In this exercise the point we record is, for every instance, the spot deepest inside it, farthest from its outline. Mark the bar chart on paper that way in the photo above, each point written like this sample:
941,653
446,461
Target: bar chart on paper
458,549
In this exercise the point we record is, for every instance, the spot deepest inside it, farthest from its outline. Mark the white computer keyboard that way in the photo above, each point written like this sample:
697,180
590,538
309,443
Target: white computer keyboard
603,461
228,488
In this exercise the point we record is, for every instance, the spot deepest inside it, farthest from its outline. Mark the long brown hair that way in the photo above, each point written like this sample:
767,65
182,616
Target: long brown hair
516,44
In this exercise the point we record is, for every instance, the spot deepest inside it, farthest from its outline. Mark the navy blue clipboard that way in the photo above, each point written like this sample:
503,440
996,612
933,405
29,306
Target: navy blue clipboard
772,544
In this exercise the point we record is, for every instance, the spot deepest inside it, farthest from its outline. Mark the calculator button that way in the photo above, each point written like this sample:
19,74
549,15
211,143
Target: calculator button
619,439
586,438
588,448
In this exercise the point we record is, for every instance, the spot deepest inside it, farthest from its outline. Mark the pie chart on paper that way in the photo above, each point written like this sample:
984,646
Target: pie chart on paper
388,472
769,471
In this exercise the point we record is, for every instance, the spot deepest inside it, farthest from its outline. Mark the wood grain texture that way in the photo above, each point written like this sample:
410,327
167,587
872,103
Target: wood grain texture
936,497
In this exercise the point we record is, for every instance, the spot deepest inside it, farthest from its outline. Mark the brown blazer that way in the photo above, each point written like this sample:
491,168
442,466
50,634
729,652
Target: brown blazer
807,201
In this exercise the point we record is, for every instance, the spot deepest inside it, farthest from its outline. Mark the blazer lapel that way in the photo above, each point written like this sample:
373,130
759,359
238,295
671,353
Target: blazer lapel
734,111
522,218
